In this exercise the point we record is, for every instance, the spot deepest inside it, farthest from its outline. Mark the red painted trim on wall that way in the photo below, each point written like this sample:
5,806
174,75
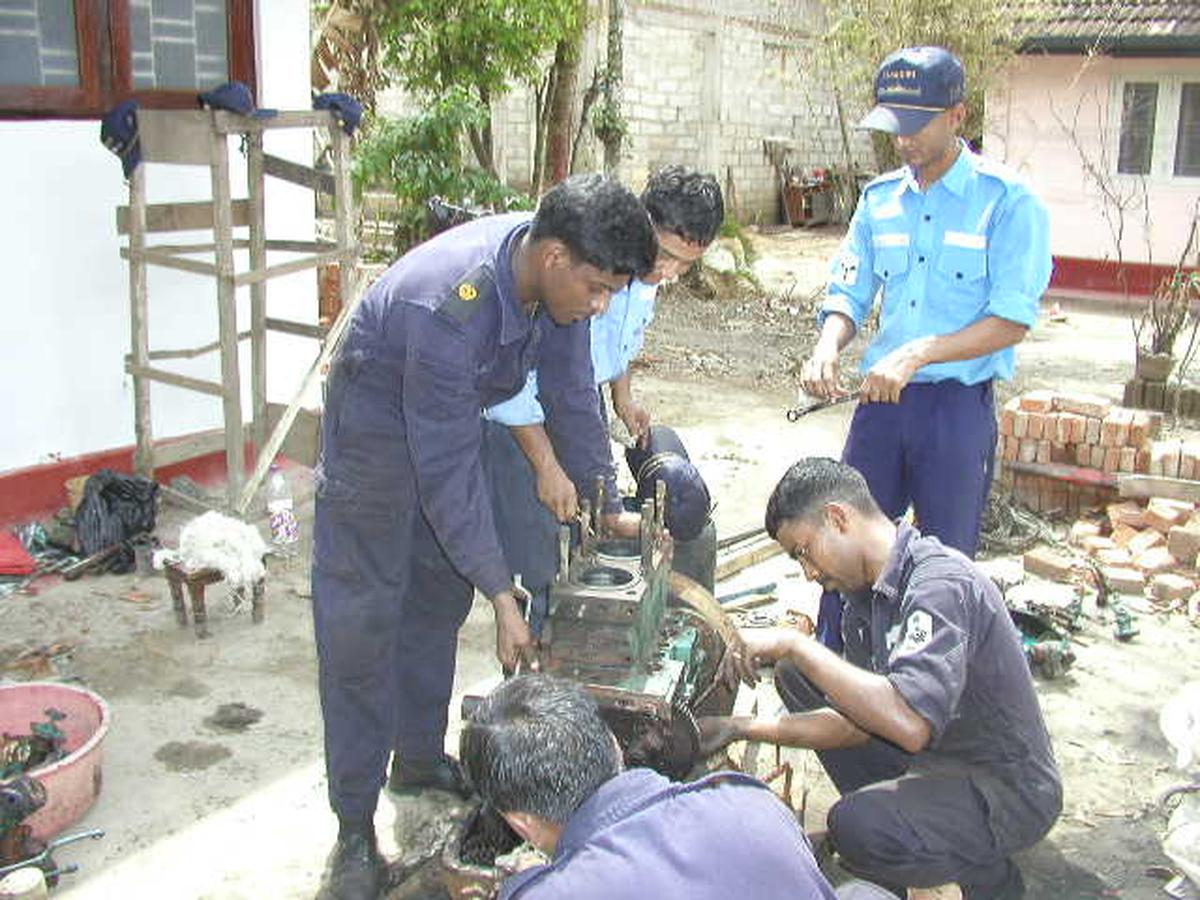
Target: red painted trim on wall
1077,273
38,491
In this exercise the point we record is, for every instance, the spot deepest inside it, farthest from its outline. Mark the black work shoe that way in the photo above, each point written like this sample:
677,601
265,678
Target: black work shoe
441,774
356,870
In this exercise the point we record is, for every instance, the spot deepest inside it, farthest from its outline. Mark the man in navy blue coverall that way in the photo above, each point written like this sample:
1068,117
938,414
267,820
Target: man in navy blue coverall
538,751
404,530
929,725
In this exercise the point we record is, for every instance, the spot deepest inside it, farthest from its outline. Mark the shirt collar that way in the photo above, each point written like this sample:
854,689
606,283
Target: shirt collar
953,179
888,582
611,802
514,323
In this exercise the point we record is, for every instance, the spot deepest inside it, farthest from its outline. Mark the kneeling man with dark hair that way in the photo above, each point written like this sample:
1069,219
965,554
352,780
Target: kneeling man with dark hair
928,724
538,751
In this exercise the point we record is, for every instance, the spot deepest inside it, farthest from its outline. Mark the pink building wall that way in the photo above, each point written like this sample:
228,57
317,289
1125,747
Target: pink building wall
1030,123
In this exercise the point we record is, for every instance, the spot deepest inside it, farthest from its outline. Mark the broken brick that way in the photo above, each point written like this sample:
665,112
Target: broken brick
1115,556
1169,586
1156,559
1127,513
1082,530
1047,563
1183,541
1093,545
1125,580
1083,404
1037,401
1163,513
1145,540
1122,534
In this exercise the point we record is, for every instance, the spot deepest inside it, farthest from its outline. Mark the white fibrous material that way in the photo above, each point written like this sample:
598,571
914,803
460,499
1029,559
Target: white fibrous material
216,541
1179,721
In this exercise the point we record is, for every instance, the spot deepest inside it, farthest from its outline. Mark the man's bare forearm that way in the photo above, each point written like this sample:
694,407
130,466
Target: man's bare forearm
820,729
868,700
988,335
535,444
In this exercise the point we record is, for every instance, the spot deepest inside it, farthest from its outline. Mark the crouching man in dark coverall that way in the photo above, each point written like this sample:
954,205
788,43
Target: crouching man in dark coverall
929,726
538,751
404,528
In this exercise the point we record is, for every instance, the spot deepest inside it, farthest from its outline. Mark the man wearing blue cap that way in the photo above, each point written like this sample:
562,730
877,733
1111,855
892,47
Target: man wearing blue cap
958,247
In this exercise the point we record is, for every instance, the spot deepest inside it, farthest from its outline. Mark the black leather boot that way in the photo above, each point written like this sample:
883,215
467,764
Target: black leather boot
442,773
356,871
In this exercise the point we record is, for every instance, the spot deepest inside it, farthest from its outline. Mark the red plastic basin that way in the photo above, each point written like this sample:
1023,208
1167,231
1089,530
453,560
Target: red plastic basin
73,783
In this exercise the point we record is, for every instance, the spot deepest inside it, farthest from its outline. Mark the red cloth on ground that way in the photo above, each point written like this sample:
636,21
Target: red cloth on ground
14,558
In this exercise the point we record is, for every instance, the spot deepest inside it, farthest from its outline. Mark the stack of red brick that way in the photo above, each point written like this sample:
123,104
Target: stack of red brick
1140,549
1078,430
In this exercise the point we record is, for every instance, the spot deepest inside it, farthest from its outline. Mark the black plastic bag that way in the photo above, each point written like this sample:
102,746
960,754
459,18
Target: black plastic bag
115,508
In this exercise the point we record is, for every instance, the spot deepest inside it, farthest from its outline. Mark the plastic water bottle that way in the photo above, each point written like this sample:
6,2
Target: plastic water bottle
282,517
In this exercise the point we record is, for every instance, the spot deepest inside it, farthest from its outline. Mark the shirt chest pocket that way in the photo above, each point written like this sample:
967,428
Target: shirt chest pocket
963,259
890,263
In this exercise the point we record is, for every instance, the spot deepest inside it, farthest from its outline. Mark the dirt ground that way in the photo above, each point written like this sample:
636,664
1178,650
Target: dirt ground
194,810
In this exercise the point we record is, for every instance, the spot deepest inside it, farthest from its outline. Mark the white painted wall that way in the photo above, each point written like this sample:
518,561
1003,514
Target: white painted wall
1048,98
66,328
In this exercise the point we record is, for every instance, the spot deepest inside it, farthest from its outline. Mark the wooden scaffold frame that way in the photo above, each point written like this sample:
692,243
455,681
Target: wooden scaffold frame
201,137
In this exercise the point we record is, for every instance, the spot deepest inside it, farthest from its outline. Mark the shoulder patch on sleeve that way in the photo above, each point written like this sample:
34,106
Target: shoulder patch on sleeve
918,632
469,294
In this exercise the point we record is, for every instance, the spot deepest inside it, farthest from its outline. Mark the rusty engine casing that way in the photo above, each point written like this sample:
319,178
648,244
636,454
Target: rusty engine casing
633,634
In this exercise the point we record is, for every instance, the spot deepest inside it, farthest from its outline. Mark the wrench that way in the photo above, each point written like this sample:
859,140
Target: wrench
796,413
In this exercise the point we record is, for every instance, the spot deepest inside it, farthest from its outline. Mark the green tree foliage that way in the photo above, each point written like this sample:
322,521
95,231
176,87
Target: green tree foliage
420,157
860,33
481,45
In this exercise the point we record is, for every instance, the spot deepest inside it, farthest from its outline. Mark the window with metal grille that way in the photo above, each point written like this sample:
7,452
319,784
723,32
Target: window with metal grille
78,58
1139,105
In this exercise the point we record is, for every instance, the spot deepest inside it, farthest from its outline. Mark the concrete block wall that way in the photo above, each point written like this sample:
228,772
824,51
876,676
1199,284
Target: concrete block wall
704,85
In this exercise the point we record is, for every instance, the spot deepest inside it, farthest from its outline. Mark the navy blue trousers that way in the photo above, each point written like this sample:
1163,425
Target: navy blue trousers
529,532
902,829
387,603
934,450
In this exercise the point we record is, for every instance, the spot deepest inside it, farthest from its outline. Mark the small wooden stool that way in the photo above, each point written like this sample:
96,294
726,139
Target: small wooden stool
196,583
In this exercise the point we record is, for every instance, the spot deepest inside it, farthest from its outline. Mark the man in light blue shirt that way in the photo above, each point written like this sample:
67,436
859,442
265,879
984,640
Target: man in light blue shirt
686,209
957,248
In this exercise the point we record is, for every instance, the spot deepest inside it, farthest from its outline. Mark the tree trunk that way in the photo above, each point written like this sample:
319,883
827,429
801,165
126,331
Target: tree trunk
560,103
481,138
615,75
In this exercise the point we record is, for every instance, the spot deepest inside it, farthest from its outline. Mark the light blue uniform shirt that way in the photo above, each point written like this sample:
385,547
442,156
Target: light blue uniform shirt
617,339
976,244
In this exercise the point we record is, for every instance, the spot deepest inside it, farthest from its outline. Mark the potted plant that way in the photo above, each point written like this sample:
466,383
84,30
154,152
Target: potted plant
1164,317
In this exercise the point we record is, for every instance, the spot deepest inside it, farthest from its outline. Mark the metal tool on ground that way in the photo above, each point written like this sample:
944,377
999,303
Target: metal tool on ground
758,590
45,861
796,413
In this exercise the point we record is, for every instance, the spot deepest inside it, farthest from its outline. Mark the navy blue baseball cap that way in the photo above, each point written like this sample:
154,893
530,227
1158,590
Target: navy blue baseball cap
913,86
119,133
346,108
235,97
